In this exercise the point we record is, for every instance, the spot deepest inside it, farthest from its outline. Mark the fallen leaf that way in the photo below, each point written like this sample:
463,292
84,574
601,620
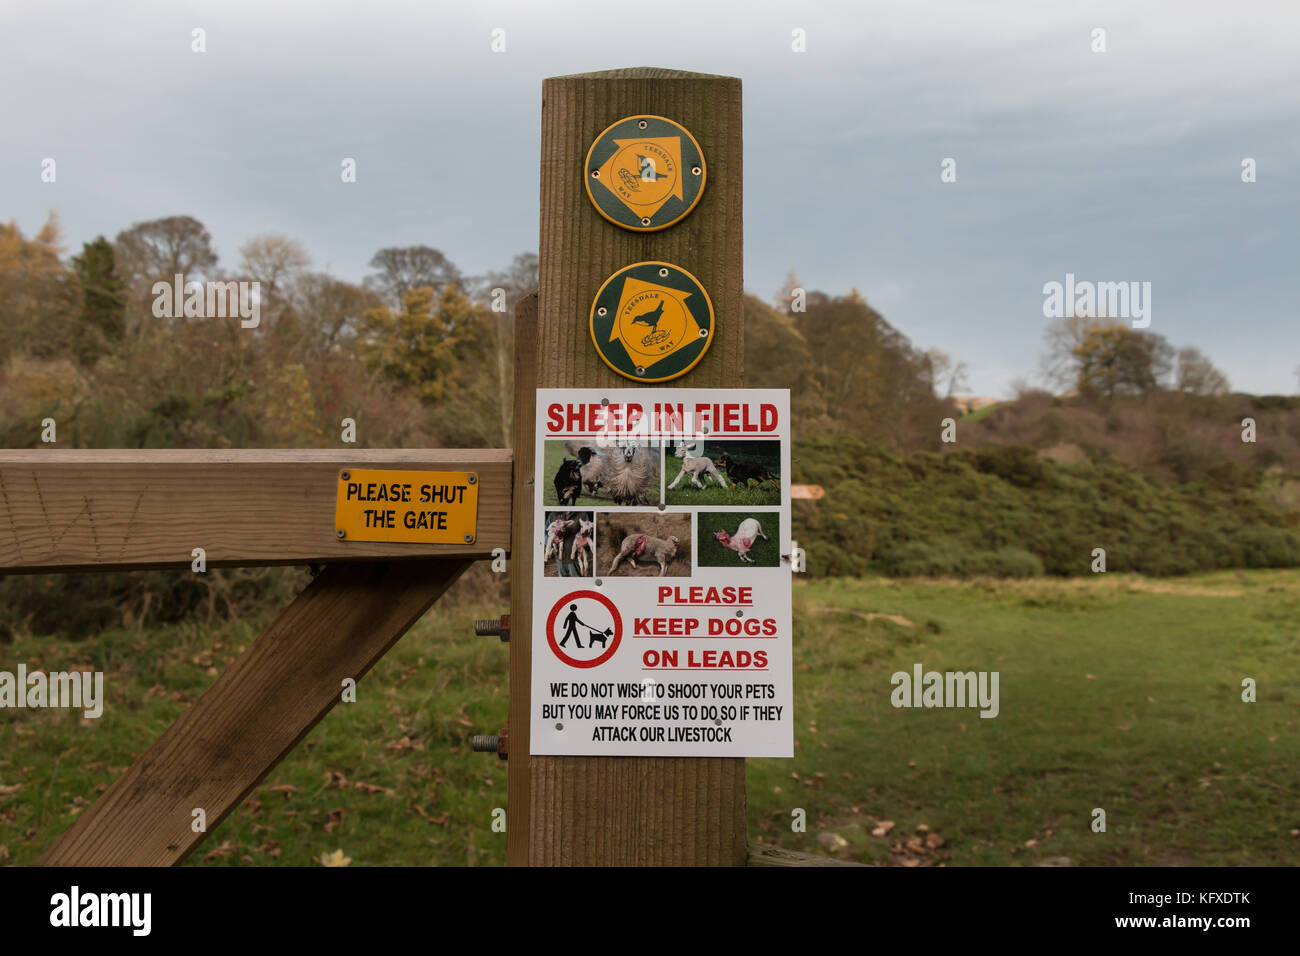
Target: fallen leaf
934,841
225,849
882,827
11,788
335,859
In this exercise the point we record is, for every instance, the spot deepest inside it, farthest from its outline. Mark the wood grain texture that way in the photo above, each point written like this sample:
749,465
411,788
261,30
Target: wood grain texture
70,510
521,577
254,714
636,810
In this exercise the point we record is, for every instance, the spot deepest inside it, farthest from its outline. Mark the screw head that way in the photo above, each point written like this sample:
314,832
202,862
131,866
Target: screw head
340,533
663,273
695,170
645,221
473,479
469,539
345,475
595,174
642,124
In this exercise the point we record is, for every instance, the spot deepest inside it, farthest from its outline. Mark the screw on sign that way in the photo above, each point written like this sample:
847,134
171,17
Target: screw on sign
584,629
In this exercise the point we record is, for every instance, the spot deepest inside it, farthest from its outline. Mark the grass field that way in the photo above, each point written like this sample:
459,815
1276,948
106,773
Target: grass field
1116,692
714,494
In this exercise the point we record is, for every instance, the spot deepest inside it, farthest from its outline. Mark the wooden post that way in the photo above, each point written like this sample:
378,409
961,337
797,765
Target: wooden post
628,810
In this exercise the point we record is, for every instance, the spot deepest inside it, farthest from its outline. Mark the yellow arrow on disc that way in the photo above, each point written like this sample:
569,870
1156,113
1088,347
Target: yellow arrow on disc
653,321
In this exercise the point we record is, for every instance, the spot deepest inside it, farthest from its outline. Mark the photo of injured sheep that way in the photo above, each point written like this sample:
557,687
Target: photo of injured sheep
723,473
643,544
586,472
568,544
734,539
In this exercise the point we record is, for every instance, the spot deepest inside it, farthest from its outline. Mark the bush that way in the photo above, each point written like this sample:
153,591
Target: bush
1003,512
1017,464
919,559
1266,548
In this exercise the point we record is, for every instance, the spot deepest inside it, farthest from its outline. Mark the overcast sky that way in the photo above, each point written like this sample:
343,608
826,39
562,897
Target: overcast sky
1122,165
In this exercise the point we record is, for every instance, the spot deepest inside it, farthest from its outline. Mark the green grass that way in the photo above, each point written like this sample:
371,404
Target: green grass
985,412
714,494
1117,692
1113,695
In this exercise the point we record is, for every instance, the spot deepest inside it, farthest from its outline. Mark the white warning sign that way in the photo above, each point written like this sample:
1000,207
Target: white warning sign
662,579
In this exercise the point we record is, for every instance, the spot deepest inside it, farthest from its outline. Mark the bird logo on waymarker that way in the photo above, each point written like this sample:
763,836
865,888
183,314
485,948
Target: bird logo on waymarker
650,318
648,172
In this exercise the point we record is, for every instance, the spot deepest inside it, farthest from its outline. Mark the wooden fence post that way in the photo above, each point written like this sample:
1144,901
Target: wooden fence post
628,810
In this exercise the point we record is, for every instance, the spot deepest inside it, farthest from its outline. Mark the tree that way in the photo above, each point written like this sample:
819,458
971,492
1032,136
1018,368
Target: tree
1115,360
515,282
947,376
784,297
271,260
1197,376
40,304
402,270
873,382
1058,367
777,356
103,298
333,310
163,248
417,346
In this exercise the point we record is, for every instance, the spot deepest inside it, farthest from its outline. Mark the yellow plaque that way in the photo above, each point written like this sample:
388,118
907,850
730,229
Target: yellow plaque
420,507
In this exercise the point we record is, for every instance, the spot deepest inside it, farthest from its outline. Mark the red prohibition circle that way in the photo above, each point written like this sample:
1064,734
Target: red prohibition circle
555,612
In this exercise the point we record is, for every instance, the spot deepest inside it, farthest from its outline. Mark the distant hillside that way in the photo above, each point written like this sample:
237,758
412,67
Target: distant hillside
1167,435
1004,510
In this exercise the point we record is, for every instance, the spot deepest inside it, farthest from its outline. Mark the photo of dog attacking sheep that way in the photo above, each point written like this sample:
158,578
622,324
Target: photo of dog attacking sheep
583,471
734,539
568,544
643,544
723,473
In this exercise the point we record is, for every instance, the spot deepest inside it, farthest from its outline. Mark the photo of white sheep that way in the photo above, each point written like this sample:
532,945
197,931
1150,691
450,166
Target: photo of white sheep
588,472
